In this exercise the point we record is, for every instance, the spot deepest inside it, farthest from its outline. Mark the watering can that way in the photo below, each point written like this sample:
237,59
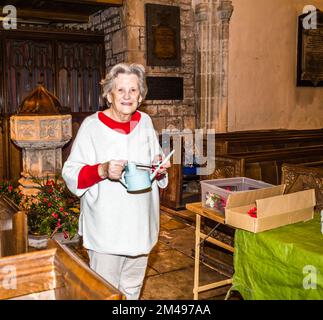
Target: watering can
134,179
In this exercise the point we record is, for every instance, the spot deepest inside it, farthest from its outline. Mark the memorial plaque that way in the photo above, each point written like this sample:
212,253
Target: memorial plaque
310,50
164,88
163,35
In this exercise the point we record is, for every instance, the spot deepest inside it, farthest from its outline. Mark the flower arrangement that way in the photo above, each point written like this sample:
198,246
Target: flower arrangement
53,209
213,200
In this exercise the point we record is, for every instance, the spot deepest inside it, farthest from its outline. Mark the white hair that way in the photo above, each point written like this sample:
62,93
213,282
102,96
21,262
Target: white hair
126,68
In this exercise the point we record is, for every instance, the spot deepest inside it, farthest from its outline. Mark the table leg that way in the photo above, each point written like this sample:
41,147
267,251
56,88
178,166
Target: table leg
197,257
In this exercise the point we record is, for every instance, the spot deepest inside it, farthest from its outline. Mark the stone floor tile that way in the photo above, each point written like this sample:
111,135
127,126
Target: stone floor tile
178,285
169,260
150,272
160,247
180,239
164,218
174,225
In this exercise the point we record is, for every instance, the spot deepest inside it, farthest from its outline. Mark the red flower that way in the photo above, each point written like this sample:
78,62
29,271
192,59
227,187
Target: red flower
55,215
223,202
50,190
49,204
61,209
253,212
45,199
50,183
10,188
159,176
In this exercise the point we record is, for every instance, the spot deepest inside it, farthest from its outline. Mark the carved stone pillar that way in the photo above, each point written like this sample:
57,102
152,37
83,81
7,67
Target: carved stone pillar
41,132
212,23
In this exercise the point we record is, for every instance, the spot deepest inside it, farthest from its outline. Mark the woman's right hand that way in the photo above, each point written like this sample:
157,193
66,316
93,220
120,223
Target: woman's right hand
111,169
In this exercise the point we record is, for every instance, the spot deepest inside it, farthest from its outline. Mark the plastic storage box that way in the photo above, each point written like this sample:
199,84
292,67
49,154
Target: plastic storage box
215,192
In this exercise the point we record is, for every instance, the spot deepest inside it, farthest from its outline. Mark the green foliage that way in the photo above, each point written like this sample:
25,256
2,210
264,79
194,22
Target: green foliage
10,189
53,209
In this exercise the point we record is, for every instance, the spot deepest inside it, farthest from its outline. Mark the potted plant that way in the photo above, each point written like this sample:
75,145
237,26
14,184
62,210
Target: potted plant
51,212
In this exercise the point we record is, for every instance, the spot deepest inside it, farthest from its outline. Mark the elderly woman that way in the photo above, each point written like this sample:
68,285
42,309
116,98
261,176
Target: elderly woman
119,228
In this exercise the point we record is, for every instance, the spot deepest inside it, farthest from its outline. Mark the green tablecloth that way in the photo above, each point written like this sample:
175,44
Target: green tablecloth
283,263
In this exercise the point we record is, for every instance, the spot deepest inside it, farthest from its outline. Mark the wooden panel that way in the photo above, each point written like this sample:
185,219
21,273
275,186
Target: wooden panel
34,272
304,176
11,155
13,228
61,10
57,16
79,71
258,140
27,63
15,161
172,195
248,164
80,282
14,240
20,233
2,151
89,2
53,269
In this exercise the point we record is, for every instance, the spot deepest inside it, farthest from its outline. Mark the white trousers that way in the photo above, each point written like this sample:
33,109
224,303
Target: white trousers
126,273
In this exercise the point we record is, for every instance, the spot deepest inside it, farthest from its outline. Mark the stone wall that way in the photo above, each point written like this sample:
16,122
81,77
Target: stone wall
125,41
262,68
113,24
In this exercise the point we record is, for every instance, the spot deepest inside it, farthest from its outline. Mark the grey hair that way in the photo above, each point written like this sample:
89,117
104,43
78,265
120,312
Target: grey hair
133,68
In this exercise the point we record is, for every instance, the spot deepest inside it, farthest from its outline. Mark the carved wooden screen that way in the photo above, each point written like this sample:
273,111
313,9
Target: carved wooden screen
79,73
2,122
27,62
70,66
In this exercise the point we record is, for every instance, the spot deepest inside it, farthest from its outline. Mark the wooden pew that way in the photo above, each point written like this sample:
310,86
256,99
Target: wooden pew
266,166
235,142
304,176
53,274
13,228
267,144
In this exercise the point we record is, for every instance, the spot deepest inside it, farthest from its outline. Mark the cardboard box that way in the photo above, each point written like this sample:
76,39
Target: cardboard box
274,209
219,190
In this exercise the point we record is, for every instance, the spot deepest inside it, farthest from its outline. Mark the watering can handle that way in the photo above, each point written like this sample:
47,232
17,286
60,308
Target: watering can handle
122,180
153,175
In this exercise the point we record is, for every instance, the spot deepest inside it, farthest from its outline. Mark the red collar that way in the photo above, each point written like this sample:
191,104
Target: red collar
121,127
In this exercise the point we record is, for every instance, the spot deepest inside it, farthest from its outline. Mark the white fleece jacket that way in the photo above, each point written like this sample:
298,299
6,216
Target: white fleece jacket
113,220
